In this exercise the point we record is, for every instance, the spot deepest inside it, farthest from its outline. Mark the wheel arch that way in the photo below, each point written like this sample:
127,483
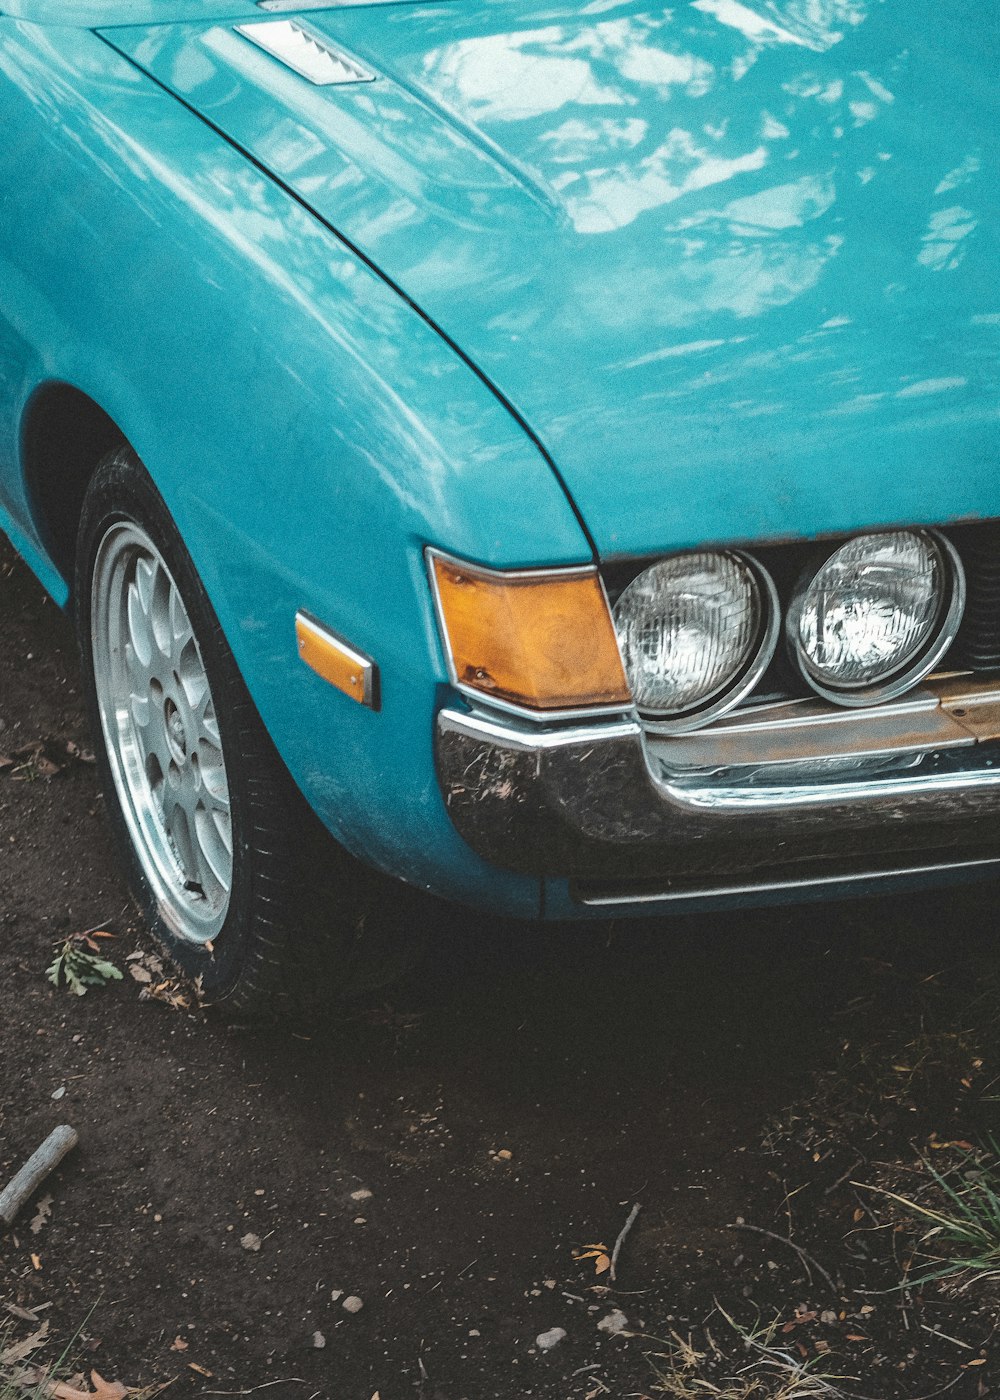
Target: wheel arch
64,435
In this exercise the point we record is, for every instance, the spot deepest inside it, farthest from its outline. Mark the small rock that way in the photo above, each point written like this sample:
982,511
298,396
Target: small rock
545,1341
352,1304
60,1092
829,1317
362,1194
360,1220
474,1332
549,1282
251,1242
613,1323
336,1295
319,1341
504,1155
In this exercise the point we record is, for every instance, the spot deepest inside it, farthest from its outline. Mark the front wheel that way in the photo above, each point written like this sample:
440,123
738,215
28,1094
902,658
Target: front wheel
214,835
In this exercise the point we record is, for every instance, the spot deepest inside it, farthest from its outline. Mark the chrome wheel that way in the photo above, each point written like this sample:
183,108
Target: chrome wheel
162,735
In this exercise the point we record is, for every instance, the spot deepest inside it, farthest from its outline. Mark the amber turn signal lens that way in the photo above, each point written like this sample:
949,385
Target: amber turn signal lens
337,662
541,640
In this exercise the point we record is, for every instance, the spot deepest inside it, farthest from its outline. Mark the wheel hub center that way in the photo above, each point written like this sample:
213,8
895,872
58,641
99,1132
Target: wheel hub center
174,725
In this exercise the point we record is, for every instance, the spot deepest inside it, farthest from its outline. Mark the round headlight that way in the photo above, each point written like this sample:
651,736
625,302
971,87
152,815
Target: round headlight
877,615
696,631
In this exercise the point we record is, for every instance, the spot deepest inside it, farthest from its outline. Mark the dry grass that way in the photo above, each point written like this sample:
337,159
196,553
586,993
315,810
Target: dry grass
768,1371
25,1376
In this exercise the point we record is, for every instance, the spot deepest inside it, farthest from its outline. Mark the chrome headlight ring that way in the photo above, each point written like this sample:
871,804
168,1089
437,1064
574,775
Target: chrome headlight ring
638,618
836,614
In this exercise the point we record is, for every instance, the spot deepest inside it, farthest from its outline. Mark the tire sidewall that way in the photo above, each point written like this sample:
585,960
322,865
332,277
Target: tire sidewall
122,490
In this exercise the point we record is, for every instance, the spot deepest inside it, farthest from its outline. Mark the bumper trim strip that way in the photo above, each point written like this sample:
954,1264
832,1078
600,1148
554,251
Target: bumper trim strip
594,896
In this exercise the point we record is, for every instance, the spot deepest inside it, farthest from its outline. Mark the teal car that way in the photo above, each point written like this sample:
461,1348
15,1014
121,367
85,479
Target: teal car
555,448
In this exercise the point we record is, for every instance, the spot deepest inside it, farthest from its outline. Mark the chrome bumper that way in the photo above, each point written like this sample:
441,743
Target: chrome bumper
795,794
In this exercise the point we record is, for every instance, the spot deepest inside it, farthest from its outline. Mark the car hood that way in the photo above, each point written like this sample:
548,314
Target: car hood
735,264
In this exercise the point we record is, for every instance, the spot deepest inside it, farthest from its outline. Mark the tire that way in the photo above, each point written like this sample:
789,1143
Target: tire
235,876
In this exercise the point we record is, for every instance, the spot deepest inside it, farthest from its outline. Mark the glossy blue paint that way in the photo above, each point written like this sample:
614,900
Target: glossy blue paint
734,268
308,431
89,14
737,264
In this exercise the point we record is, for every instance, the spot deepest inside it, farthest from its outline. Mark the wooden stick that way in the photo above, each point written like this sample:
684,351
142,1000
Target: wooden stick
807,1259
23,1186
621,1240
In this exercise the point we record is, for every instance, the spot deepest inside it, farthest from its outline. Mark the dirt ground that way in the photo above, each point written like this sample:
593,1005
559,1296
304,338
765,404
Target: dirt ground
505,1108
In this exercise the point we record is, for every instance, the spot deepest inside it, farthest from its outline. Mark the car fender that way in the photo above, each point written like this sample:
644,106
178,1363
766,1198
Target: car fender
309,431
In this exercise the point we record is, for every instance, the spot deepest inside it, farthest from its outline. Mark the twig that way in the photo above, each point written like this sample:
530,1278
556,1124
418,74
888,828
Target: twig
845,1176
39,1165
285,1380
621,1238
806,1258
944,1335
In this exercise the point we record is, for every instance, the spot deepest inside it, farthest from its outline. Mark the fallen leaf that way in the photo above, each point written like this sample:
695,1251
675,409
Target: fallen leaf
140,973
107,1390
43,1213
597,1252
103,1390
23,1314
179,1344
20,1350
36,1263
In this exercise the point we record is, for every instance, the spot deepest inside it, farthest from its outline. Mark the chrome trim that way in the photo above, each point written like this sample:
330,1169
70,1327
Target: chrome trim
556,572
898,683
688,722
610,802
535,739
357,659
484,698
808,731
311,56
975,707
747,889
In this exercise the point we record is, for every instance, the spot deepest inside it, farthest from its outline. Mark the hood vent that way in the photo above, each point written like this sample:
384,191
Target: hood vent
304,53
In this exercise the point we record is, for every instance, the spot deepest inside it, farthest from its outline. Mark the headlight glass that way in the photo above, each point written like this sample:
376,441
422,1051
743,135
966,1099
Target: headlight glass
871,616
691,628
